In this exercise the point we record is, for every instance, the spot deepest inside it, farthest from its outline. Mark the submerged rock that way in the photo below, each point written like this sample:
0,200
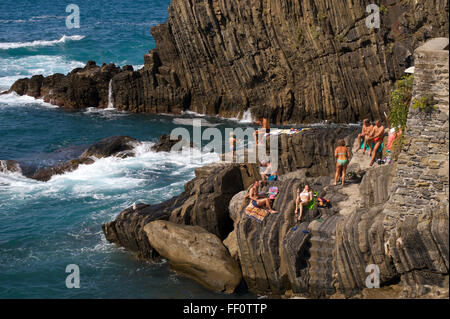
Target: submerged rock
120,146
9,166
110,146
165,144
196,253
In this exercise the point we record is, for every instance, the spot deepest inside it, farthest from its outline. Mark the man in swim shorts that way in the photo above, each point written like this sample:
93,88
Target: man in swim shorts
377,137
263,203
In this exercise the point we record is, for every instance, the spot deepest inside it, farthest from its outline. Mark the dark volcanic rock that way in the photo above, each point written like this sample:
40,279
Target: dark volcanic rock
81,88
127,230
312,149
204,203
165,144
45,174
110,146
120,146
9,166
292,61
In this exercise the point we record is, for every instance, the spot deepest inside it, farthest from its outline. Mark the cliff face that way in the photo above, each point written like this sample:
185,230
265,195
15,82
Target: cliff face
293,61
393,216
290,60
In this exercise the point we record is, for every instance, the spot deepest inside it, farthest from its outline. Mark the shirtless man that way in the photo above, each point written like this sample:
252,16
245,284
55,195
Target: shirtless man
266,125
264,122
365,134
376,136
233,142
263,203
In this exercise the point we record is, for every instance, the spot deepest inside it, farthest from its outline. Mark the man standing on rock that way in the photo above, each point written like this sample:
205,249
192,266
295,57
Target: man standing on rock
264,122
377,137
365,134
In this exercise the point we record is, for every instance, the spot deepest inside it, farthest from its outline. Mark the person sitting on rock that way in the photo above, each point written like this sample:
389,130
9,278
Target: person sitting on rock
377,137
365,134
263,203
342,155
269,174
304,198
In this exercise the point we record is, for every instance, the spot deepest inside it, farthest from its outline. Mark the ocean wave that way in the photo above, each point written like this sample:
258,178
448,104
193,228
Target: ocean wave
40,43
12,69
14,99
112,175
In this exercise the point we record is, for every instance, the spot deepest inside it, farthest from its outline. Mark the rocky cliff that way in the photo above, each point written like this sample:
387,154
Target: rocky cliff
290,60
393,218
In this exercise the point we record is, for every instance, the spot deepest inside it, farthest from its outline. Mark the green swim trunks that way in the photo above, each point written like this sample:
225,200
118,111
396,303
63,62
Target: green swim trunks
342,162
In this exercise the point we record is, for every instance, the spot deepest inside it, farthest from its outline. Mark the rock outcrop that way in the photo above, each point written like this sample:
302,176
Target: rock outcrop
79,89
9,166
312,150
119,146
195,253
291,61
204,203
165,144
374,223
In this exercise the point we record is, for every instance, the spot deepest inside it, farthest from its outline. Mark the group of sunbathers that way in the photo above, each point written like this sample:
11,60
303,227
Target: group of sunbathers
373,136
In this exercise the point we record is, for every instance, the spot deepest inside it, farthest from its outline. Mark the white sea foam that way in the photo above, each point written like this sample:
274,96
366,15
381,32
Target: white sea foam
190,122
14,69
13,99
110,175
39,43
247,117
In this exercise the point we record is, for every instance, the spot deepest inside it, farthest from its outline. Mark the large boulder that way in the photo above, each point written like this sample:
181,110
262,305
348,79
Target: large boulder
204,203
195,253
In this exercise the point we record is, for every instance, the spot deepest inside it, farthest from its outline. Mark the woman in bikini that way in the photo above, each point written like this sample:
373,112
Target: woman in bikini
303,199
342,155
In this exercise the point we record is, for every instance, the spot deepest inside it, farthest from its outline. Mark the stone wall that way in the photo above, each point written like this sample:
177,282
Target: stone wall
422,177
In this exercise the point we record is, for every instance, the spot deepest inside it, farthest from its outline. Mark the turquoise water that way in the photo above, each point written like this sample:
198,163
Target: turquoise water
46,226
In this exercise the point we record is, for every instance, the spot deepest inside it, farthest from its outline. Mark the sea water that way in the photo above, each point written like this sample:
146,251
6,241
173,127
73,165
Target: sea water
46,226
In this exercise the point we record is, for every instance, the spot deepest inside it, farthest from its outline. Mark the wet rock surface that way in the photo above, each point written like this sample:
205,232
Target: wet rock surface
120,146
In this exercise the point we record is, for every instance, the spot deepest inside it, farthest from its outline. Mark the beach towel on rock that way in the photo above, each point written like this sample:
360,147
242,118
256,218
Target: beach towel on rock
311,205
256,213
361,146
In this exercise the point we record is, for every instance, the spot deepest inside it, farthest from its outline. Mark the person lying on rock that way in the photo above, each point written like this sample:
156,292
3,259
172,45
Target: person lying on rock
342,155
263,203
377,138
303,199
365,134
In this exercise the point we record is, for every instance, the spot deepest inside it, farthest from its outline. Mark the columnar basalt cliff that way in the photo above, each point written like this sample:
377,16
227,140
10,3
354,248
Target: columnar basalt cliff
290,60
395,216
